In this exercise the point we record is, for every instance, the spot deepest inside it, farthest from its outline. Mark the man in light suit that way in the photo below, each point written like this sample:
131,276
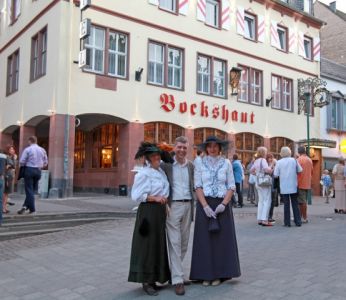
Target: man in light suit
181,203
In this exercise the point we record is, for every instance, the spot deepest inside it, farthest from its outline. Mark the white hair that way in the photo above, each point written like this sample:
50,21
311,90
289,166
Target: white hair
285,152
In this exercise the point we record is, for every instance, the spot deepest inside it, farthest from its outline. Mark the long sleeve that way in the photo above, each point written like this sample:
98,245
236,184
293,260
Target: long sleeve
230,182
198,176
141,187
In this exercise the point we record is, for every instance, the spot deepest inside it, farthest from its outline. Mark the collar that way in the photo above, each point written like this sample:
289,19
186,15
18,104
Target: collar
177,163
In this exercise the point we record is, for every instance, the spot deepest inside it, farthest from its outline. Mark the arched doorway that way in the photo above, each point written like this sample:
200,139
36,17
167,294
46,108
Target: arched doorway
162,132
246,144
276,143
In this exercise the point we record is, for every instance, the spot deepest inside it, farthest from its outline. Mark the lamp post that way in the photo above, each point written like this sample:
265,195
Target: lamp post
311,93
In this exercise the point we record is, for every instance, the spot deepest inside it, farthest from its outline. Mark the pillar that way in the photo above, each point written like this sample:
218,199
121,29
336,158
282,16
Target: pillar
266,143
231,145
190,135
130,136
61,155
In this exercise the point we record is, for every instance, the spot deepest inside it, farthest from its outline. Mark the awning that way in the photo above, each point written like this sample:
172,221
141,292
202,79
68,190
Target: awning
318,143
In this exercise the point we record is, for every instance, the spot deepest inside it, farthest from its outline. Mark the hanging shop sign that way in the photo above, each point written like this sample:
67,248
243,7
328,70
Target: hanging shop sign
205,110
343,146
84,4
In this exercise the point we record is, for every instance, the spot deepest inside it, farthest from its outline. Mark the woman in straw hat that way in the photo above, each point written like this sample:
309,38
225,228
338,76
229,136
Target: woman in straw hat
215,251
149,260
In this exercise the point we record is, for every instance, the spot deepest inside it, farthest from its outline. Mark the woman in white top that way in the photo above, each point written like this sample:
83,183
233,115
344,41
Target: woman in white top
264,192
340,186
215,251
149,260
287,168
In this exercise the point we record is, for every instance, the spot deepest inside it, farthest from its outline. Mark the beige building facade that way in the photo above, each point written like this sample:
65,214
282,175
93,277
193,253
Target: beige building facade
154,70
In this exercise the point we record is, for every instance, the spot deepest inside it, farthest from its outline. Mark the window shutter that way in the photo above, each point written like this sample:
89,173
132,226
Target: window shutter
329,116
18,9
240,20
274,37
225,17
9,11
183,7
317,49
260,28
292,45
201,10
301,50
154,2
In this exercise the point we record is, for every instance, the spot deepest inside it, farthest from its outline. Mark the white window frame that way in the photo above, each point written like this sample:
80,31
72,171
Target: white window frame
156,62
282,32
308,48
282,93
336,102
92,48
169,5
175,67
117,53
287,94
250,26
202,75
256,87
212,6
276,92
244,85
219,78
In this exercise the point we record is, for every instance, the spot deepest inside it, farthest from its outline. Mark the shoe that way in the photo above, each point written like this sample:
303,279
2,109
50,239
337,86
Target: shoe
298,225
305,221
148,288
267,224
259,223
187,282
215,282
32,213
10,203
271,220
239,206
206,283
287,225
21,211
6,211
179,289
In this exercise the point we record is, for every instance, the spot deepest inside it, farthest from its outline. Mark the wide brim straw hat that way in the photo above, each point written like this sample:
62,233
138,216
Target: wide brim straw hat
210,139
146,148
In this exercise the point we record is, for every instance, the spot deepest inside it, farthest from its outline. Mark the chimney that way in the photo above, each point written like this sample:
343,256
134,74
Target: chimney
332,6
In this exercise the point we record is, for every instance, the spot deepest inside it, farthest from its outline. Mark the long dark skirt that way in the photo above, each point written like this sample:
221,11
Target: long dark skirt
149,259
214,255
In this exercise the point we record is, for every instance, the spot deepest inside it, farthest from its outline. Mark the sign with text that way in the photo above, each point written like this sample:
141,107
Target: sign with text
82,58
84,4
84,28
169,104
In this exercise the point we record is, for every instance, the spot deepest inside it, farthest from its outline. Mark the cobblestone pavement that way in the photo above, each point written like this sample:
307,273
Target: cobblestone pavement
92,261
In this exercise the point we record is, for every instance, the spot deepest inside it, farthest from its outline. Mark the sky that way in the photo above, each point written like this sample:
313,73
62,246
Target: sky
340,4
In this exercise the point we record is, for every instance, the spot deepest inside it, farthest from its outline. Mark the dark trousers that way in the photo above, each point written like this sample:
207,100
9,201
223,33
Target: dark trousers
287,213
239,193
2,185
31,178
274,203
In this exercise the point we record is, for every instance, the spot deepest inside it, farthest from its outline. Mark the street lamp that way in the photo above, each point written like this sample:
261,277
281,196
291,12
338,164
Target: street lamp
312,92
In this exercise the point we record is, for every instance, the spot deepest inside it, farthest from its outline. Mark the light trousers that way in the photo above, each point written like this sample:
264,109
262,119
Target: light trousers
264,202
178,225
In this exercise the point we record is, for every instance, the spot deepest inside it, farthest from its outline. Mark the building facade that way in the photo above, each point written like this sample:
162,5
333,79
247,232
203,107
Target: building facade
153,70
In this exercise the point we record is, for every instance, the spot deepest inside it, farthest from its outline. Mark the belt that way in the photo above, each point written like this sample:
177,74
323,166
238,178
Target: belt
182,200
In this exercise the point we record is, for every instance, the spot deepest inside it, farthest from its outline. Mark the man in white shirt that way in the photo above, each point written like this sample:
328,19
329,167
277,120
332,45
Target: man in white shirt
180,200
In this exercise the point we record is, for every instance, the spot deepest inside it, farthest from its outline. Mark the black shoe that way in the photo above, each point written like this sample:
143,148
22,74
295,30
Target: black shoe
10,203
149,289
21,211
239,206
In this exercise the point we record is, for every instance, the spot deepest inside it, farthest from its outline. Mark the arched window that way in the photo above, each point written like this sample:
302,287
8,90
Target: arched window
79,149
200,134
105,141
276,143
246,145
161,132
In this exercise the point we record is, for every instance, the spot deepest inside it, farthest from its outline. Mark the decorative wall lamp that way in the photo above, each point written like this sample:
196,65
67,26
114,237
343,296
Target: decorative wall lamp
234,78
138,75
268,100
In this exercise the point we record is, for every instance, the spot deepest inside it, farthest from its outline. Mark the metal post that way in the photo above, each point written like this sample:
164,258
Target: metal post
307,99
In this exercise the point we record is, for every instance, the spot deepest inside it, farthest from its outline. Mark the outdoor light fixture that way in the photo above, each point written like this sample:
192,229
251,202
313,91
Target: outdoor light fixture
138,75
234,78
268,100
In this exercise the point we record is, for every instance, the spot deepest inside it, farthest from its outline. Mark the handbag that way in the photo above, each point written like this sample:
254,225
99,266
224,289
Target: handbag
214,225
21,172
252,179
264,179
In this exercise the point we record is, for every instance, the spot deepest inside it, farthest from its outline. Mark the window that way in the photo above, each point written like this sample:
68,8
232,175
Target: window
165,65
107,52
246,145
337,113
308,47
344,115
170,5
250,86
282,33
79,149
250,26
105,147
282,93
334,105
15,9
276,143
38,55
212,13
160,132
211,76
12,73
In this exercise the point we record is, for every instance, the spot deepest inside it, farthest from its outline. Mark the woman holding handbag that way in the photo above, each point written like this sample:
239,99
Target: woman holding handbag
215,251
263,186
287,169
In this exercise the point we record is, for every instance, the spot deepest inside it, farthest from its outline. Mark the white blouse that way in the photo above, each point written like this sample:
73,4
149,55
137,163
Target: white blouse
149,182
215,176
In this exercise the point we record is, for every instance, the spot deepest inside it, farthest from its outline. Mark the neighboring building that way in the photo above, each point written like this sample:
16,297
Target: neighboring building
154,70
333,34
